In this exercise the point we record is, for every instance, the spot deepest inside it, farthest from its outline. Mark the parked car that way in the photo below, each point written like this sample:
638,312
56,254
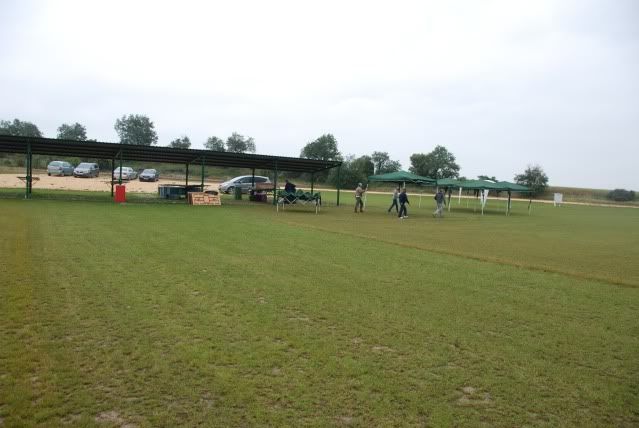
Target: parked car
244,182
59,168
150,175
128,173
86,169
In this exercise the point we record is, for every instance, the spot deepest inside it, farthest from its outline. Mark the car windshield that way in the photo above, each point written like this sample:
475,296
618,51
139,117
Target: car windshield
55,164
148,171
85,165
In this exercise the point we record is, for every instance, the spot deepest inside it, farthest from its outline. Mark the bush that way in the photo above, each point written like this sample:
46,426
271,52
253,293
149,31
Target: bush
622,195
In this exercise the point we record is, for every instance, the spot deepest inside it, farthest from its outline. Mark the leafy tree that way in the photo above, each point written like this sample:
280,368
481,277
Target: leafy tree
215,144
237,143
383,163
19,128
486,177
181,143
323,148
621,195
440,163
353,171
75,132
136,129
534,178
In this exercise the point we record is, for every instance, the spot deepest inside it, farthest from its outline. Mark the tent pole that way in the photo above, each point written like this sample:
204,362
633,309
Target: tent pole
529,204
508,206
449,195
187,175
312,181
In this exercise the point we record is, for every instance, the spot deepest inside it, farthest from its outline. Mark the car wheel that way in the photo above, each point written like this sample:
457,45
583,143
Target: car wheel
230,190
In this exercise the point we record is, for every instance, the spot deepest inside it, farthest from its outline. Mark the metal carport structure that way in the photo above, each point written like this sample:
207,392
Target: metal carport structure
30,146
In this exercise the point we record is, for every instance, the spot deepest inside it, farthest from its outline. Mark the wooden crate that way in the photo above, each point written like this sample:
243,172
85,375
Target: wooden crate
201,198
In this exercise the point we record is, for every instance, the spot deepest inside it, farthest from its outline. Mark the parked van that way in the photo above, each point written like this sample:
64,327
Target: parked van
244,182
59,168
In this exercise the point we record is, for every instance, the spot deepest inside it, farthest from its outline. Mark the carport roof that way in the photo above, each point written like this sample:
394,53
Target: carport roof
130,152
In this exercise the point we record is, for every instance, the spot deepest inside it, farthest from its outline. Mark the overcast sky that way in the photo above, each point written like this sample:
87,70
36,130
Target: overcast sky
501,84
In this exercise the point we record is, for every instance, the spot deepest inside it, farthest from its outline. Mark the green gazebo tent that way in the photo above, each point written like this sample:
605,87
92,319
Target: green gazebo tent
402,177
480,185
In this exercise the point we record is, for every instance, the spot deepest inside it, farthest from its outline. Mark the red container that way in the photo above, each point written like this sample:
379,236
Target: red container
120,193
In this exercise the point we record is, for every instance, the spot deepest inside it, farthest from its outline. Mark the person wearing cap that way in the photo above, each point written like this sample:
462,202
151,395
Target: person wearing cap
359,191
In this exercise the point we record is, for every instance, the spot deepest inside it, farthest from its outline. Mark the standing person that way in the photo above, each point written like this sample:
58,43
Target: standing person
440,198
403,200
395,199
289,187
359,191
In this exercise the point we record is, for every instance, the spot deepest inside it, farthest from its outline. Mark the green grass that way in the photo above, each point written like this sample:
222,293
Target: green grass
166,315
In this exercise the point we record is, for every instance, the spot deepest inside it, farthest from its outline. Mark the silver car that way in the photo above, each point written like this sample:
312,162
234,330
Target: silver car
244,182
86,169
128,173
59,168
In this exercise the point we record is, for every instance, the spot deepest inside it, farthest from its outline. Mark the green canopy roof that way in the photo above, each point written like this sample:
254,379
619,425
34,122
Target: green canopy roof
513,187
482,184
401,177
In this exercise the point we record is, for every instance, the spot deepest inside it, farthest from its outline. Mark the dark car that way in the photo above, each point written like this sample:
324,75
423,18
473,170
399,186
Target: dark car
150,175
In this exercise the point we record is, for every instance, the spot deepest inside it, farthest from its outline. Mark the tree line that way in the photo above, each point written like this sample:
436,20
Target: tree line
438,163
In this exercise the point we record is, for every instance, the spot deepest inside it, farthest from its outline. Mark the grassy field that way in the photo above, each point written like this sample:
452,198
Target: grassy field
164,315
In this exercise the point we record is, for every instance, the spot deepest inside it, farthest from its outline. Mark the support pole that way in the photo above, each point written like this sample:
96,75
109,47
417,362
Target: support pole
450,193
187,175
529,204
312,182
27,190
112,169
339,169
120,178
253,178
275,185
508,206
202,183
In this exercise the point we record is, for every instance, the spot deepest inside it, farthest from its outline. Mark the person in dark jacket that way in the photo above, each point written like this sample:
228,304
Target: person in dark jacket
403,200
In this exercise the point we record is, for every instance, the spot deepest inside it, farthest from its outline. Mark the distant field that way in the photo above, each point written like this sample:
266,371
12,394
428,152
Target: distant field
157,314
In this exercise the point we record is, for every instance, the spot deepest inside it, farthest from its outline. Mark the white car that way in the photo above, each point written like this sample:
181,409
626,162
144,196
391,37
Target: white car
244,182
127,173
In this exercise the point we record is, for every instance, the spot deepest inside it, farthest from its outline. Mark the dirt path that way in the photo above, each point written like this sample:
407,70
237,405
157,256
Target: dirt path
101,183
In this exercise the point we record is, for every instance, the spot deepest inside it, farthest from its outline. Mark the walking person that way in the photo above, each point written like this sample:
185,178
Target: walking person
403,200
440,199
395,200
359,192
